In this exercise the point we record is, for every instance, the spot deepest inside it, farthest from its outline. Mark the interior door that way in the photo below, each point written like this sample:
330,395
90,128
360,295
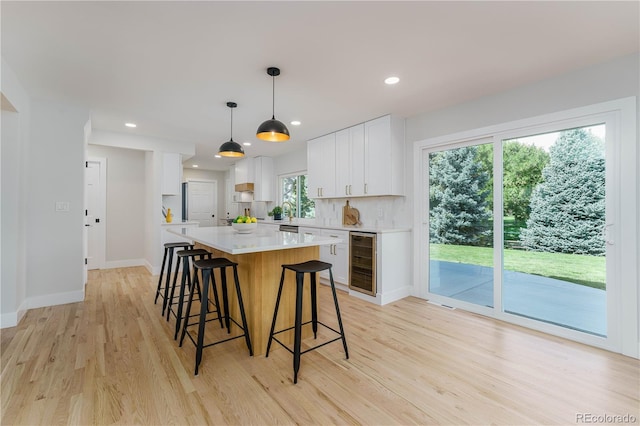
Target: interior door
203,206
95,212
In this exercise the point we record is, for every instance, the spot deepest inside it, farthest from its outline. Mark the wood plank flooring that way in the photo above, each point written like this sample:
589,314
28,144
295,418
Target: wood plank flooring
112,360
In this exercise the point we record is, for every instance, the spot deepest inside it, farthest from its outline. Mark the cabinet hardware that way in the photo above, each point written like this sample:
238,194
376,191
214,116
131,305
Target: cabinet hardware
349,189
365,188
346,190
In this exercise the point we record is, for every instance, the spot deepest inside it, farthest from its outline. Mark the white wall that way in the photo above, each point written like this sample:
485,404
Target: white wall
56,173
151,215
153,205
125,216
14,143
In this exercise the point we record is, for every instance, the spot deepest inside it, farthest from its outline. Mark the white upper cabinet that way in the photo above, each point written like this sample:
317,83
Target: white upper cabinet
369,161
321,166
244,170
384,156
350,161
171,173
264,179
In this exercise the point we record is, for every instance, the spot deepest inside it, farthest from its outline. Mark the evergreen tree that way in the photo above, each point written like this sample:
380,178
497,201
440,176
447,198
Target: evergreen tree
458,212
568,207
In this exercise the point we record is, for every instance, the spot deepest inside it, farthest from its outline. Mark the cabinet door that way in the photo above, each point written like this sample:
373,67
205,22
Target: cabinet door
244,171
356,142
338,255
263,185
343,163
321,166
171,173
377,156
350,161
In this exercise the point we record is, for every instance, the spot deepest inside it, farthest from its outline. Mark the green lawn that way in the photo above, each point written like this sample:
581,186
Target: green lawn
575,268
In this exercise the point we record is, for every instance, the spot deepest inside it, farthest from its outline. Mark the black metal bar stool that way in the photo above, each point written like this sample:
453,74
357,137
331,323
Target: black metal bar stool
168,250
186,284
311,267
207,267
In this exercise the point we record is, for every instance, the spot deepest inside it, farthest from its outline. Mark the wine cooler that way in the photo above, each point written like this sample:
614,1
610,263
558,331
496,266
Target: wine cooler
362,264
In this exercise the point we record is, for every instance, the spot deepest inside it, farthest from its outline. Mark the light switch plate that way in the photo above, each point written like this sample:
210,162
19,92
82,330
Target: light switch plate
62,206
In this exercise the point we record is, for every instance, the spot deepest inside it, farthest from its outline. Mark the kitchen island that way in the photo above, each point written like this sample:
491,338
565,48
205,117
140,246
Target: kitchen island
260,256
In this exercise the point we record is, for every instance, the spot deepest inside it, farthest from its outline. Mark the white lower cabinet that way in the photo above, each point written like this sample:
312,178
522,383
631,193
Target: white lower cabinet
335,254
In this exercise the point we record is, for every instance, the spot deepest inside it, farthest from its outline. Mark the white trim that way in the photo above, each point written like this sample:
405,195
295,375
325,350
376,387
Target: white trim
623,303
12,319
55,299
125,263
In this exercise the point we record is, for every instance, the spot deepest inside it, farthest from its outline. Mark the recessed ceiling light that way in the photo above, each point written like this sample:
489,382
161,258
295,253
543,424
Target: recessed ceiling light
130,124
246,143
295,123
195,165
391,80
218,156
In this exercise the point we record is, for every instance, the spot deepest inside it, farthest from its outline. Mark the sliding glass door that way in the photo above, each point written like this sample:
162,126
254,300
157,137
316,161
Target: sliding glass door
460,223
554,222
527,224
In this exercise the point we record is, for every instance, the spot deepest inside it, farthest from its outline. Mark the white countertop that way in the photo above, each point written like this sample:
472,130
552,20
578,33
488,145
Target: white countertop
181,223
312,223
225,239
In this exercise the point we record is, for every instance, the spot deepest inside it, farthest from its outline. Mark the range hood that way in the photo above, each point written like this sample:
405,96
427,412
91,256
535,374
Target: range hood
244,187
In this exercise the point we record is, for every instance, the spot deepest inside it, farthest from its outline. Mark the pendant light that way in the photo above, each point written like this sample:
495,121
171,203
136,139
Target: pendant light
273,130
231,148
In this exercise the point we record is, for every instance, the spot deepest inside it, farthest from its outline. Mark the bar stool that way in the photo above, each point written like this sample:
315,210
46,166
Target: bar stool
311,267
168,249
207,267
186,283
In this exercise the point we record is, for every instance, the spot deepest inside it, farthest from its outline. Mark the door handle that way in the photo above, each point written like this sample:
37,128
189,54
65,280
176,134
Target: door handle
86,224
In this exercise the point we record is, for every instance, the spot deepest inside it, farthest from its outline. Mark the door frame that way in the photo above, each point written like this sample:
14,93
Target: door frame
100,259
622,302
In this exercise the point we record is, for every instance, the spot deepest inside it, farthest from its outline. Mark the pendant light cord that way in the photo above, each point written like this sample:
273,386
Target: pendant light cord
273,97
231,124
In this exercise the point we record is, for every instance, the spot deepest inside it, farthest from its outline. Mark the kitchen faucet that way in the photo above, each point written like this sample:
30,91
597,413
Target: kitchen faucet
290,210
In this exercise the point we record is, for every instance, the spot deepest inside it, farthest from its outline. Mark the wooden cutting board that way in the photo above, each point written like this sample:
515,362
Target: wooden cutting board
350,215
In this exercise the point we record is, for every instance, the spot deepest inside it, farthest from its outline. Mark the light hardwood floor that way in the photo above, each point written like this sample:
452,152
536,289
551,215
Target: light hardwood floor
113,360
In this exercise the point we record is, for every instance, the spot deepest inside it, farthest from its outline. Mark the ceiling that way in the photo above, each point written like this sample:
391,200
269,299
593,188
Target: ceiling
170,67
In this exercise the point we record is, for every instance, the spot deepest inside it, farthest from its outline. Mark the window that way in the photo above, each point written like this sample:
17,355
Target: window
294,190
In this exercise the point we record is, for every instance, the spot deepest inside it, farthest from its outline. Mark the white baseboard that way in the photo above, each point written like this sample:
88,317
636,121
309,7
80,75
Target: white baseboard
394,295
12,319
54,299
9,320
126,263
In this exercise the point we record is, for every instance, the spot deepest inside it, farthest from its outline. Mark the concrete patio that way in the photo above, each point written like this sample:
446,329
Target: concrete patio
555,301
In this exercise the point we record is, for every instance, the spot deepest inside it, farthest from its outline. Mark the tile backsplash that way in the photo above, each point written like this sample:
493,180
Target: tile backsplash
375,212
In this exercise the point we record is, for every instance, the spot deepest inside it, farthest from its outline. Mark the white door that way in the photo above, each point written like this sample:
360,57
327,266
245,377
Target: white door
203,205
95,213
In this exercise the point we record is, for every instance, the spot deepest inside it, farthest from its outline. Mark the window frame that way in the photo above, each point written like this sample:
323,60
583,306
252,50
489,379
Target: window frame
281,200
